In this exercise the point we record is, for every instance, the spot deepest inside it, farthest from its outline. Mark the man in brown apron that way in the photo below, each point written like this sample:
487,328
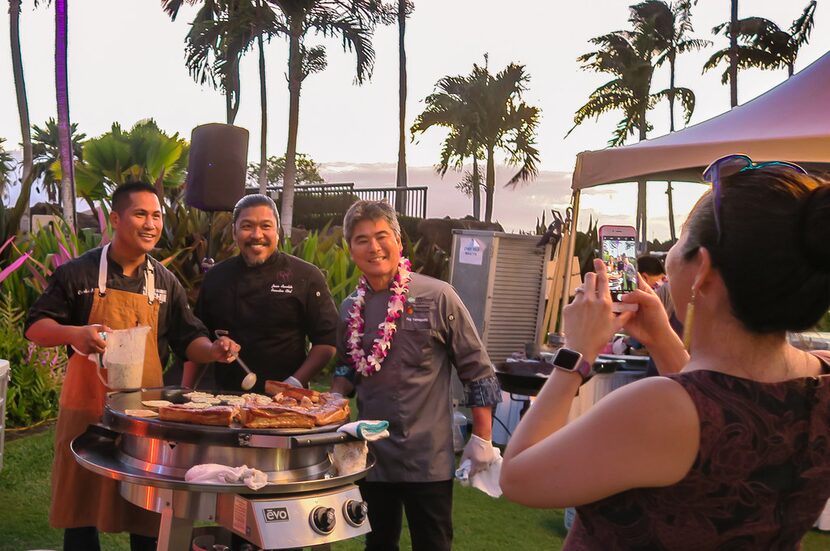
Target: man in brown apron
115,287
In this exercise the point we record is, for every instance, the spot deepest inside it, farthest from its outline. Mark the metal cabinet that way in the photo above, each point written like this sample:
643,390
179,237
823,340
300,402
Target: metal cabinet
502,279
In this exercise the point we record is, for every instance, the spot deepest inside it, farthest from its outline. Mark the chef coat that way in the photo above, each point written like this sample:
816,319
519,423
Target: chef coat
412,388
269,309
68,299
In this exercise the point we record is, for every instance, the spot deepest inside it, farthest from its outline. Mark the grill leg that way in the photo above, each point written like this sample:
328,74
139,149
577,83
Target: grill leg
175,533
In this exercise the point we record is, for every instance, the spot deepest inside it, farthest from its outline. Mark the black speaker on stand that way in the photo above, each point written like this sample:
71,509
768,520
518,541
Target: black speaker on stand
216,172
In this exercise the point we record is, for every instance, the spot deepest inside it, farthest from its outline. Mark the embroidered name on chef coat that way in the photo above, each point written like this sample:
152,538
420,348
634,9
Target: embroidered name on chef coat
416,315
282,288
161,296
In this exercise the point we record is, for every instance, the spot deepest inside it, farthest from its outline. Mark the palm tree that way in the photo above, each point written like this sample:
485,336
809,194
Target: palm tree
494,118
27,177
351,20
405,8
762,44
221,33
46,155
452,107
669,26
627,56
22,102
64,127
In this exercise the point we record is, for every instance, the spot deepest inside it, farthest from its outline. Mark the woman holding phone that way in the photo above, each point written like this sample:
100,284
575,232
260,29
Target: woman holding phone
733,449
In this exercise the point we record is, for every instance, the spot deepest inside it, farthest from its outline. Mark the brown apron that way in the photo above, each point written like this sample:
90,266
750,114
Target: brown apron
79,496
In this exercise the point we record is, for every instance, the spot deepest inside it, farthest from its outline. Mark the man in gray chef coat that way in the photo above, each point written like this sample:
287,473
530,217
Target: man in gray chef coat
404,378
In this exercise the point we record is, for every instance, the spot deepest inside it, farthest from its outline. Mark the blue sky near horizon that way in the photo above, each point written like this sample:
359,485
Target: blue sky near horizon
126,63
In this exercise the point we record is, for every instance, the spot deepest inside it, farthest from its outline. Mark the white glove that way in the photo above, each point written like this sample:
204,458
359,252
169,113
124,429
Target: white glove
293,382
480,452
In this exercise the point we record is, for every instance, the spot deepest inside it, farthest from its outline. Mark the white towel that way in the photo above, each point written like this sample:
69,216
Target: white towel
366,430
213,473
487,480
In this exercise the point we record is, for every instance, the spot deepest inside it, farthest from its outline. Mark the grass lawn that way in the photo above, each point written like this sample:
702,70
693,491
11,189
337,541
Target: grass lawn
481,523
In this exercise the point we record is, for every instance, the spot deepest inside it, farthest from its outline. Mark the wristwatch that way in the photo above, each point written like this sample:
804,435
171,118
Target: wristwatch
570,360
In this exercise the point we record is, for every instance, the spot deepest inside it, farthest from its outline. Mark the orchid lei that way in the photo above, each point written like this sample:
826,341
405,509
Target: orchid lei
386,329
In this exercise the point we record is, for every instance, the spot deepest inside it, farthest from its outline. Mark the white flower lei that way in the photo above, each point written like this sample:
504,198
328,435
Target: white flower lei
387,328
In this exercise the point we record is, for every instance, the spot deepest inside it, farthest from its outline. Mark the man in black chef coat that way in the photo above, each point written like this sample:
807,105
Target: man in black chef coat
269,302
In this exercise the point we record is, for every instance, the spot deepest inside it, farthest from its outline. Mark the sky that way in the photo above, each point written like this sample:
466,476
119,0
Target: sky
126,63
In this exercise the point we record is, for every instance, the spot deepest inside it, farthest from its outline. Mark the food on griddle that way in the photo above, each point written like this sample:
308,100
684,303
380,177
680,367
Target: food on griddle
155,403
231,399
202,398
141,412
276,387
274,416
257,399
286,412
290,407
208,415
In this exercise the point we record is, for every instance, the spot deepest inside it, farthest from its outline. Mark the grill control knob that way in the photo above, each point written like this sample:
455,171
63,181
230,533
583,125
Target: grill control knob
323,520
355,512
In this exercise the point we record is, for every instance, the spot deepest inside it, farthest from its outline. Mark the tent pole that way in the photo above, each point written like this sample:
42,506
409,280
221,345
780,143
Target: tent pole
566,288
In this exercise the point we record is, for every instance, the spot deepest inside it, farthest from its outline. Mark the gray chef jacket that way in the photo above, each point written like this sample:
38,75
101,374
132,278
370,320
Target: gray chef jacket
412,388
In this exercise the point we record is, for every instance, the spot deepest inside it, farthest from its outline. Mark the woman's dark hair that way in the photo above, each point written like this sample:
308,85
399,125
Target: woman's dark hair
650,265
774,249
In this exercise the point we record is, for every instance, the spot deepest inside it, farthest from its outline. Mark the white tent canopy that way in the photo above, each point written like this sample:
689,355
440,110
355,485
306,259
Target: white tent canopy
791,122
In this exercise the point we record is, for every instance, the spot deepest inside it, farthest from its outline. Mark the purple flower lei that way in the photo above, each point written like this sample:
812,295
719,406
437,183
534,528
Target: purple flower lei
366,365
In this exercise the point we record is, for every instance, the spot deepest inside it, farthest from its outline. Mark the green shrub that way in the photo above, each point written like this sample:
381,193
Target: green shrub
36,373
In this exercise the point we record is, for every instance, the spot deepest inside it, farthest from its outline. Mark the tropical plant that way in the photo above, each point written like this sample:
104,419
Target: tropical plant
669,26
144,153
351,20
6,166
494,118
46,152
37,373
763,45
308,172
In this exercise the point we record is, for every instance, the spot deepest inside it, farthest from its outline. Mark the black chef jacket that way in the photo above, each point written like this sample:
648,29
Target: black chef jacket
269,310
68,300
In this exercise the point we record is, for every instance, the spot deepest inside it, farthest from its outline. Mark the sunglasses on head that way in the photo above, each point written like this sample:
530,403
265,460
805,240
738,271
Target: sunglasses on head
730,165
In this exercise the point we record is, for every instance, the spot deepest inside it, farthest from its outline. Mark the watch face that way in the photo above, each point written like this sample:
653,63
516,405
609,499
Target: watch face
567,359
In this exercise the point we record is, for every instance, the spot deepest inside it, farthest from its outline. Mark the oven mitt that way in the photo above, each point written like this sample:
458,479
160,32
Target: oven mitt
212,473
366,430
486,480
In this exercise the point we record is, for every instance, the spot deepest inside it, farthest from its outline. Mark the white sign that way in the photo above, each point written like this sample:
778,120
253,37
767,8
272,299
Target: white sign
471,251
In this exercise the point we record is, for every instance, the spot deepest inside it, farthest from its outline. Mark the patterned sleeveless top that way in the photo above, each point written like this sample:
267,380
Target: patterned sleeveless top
760,480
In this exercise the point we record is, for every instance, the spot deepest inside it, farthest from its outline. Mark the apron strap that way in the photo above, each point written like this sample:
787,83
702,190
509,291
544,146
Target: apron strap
102,271
150,281
149,276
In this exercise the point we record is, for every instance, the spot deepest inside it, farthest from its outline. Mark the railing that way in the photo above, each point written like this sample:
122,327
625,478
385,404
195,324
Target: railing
409,201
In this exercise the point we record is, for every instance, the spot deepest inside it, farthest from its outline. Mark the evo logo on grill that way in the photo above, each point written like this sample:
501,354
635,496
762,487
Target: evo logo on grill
275,514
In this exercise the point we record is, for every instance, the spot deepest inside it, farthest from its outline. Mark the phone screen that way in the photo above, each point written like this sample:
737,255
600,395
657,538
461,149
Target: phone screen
620,256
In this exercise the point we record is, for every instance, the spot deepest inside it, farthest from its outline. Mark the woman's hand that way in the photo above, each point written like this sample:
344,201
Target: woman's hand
589,322
649,324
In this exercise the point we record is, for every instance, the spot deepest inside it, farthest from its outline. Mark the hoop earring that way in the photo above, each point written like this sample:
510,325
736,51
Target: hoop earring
687,323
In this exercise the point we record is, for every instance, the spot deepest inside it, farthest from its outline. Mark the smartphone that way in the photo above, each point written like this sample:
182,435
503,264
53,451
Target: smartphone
619,252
